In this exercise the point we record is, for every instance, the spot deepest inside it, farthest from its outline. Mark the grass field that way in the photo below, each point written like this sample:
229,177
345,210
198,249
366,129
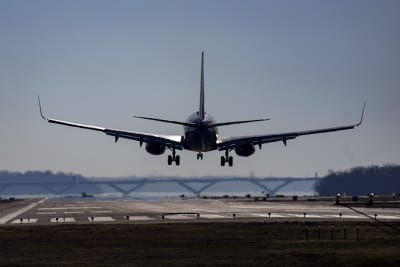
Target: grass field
200,244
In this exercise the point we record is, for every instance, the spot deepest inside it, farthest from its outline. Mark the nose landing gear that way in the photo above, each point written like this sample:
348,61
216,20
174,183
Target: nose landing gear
174,158
199,156
227,159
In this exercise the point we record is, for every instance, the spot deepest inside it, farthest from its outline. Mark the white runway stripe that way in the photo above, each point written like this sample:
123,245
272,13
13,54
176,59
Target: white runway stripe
180,217
11,216
24,221
71,208
101,219
214,216
140,218
73,212
62,220
387,217
45,213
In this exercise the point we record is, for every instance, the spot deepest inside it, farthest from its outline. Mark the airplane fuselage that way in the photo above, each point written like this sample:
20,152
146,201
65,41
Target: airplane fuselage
201,138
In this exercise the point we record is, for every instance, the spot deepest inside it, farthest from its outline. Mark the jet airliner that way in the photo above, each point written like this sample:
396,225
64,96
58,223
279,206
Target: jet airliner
200,134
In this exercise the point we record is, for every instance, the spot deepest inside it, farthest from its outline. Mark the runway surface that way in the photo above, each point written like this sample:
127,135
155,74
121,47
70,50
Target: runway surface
91,210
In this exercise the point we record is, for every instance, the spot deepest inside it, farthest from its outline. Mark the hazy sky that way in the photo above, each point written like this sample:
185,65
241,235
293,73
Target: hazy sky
304,64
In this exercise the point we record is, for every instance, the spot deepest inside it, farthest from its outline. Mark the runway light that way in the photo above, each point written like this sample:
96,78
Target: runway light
371,198
338,199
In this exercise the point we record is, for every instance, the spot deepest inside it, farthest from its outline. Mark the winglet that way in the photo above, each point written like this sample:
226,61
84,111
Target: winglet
40,109
362,116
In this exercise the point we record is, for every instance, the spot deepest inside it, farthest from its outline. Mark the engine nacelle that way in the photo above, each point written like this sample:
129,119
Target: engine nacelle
155,148
244,150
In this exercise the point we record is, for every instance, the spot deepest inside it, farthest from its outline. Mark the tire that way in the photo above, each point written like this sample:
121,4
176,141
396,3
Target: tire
222,161
177,160
169,160
230,161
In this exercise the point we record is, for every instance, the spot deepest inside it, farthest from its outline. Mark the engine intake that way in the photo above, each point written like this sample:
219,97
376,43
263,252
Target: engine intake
155,148
244,150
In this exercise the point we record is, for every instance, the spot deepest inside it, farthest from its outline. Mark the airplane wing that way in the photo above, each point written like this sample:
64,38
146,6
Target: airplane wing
170,141
229,143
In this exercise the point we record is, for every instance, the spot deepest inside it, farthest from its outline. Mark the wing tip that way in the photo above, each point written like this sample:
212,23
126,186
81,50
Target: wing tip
362,115
40,109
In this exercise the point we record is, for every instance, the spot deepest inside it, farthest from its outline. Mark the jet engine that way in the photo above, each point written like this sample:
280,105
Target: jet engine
244,150
155,148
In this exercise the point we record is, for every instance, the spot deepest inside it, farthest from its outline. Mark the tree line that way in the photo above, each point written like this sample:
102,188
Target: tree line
381,180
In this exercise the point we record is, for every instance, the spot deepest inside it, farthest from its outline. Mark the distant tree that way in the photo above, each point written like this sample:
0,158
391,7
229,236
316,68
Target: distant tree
361,181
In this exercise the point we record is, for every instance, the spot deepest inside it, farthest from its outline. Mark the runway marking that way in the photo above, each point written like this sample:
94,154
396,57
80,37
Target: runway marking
140,218
73,212
46,213
295,215
24,221
345,216
273,215
387,217
180,217
102,211
12,215
214,216
313,216
62,220
101,219
71,208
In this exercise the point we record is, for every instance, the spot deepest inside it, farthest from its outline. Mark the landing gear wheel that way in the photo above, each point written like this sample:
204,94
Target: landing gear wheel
230,161
199,156
174,158
222,161
227,159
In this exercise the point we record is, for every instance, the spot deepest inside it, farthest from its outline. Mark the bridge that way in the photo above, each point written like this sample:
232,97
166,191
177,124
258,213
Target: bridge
196,186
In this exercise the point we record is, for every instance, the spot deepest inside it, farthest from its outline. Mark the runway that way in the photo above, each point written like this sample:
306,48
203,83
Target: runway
91,210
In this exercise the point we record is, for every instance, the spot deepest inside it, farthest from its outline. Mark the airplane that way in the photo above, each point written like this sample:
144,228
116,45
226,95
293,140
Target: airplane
200,134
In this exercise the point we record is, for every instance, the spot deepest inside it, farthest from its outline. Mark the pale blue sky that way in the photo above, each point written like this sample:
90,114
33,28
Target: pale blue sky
304,64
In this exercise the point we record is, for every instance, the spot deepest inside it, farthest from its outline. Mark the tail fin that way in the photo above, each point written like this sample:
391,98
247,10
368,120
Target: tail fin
201,107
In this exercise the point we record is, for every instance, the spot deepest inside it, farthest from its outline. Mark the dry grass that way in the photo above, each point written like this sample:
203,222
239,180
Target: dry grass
197,244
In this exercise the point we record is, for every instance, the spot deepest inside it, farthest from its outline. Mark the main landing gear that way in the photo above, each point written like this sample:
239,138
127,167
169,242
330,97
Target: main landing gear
199,156
174,158
227,159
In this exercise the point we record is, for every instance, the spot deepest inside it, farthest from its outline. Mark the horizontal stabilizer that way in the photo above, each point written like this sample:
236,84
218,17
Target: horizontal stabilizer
168,121
233,122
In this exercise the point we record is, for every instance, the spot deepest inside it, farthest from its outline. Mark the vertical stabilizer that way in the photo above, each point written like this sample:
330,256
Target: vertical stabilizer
201,107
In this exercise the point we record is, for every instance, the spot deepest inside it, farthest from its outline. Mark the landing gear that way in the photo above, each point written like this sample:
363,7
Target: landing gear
227,159
199,156
174,158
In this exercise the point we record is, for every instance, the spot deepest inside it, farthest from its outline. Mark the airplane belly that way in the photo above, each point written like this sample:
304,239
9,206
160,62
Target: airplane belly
200,141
